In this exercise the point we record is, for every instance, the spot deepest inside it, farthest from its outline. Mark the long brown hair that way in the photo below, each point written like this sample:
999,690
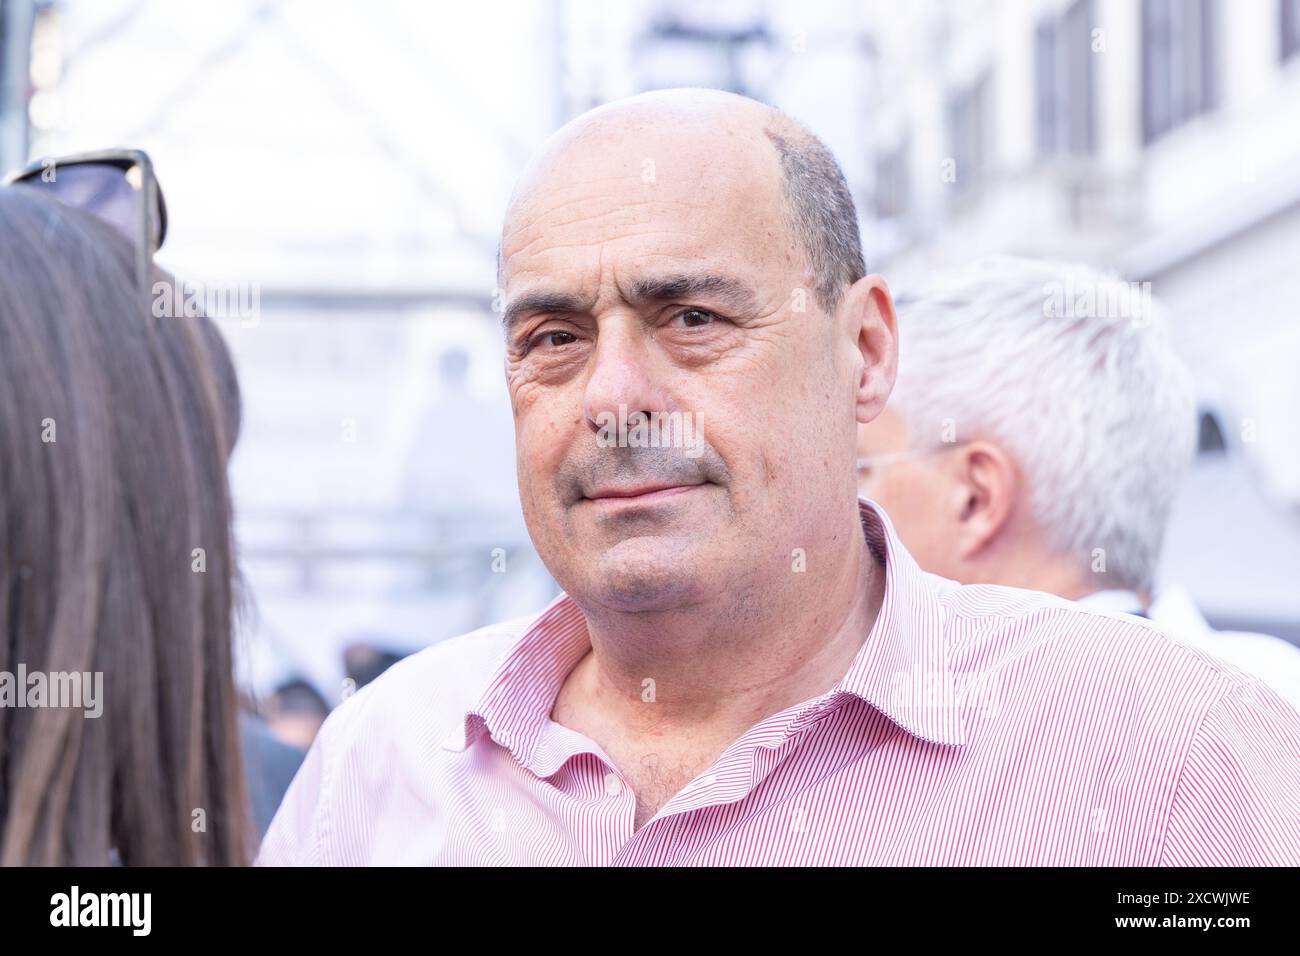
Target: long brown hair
115,429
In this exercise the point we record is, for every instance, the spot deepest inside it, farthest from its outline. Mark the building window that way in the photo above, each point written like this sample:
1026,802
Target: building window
892,183
1064,62
968,127
1177,63
1290,16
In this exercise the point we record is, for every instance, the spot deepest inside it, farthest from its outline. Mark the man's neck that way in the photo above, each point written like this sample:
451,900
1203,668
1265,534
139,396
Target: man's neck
1059,576
1130,600
704,675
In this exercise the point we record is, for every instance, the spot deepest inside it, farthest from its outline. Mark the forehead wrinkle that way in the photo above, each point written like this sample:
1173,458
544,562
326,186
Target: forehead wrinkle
542,232
557,185
672,235
622,212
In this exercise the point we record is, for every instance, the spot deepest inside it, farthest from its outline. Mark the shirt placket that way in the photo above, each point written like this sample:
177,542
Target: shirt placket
732,777
615,814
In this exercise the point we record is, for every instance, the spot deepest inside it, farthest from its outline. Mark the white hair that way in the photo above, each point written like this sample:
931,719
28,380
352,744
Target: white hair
1072,371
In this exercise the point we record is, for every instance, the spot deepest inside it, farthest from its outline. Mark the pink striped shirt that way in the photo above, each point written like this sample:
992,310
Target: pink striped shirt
977,725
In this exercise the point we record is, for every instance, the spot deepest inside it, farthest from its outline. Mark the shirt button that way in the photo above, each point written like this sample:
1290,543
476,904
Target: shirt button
613,785
709,779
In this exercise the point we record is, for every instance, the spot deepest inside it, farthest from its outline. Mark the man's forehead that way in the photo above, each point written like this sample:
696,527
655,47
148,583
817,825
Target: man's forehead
639,261
695,126
642,175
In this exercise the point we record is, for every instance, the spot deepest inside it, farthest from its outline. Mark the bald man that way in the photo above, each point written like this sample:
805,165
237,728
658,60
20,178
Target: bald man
746,667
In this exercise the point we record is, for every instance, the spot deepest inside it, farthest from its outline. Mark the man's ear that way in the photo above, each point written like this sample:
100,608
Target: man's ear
869,311
988,482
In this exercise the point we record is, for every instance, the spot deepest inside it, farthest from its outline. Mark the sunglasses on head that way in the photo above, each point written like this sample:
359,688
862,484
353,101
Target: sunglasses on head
117,186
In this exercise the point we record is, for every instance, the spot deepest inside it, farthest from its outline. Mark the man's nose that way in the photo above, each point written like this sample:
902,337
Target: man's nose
623,380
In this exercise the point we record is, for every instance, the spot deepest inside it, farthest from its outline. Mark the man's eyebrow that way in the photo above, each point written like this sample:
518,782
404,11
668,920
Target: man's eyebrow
692,285
531,303
678,286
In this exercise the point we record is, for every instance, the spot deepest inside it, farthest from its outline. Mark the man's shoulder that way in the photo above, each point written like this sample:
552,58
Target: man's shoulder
431,689
1275,661
993,627
382,742
456,666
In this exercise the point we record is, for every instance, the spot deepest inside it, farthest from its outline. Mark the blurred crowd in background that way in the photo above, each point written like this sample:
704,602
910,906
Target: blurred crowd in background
349,163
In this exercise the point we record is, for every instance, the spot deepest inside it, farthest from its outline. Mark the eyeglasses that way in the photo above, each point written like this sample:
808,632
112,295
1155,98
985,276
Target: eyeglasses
117,186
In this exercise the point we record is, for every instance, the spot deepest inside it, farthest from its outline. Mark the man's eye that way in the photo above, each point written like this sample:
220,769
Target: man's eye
552,339
695,318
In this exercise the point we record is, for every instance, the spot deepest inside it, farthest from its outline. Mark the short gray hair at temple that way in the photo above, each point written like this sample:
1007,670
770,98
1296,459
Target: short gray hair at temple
820,212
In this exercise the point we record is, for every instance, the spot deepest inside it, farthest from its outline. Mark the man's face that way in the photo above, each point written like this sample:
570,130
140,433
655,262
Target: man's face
916,487
651,270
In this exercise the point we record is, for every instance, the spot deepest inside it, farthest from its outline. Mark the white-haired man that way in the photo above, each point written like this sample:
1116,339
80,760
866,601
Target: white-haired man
1039,429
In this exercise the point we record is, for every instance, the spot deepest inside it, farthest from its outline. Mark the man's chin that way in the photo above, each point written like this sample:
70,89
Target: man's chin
643,575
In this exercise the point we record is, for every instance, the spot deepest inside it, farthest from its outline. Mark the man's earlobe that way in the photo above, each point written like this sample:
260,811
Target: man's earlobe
872,310
990,482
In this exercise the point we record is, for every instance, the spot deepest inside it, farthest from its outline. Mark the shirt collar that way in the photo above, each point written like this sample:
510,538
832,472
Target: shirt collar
902,668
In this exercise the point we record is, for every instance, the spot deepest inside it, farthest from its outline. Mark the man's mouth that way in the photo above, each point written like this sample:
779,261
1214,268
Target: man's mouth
639,494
